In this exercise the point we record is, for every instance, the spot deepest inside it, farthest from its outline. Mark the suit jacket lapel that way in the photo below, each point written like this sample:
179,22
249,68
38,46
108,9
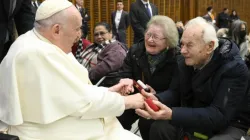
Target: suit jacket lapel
121,20
114,15
152,8
10,6
7,6
144,9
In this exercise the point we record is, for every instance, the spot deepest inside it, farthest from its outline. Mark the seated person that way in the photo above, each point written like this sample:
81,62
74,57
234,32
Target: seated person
45,93
79,47
153,61
222,32
212,88
105,55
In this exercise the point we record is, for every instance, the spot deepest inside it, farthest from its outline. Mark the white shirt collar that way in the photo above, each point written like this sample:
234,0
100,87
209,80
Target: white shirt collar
144,2
119,11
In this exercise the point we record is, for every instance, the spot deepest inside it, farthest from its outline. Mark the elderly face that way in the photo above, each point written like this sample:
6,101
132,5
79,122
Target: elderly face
71,31
155,41
194,49
101,34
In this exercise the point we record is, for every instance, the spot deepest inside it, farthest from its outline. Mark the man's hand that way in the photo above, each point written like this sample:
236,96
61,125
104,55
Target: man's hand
165,113
134,101
150,95
124,87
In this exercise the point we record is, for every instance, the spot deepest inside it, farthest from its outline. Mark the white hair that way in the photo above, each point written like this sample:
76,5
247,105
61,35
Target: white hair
169,29
208,30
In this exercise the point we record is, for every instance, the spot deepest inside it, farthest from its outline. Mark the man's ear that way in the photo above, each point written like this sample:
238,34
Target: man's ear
56,30
210,47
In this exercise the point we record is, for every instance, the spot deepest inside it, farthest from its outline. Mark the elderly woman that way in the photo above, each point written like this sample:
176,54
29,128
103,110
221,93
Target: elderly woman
105,55
238,33
153,61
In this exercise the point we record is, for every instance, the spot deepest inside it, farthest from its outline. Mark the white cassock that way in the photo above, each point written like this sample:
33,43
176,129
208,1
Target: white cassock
45,94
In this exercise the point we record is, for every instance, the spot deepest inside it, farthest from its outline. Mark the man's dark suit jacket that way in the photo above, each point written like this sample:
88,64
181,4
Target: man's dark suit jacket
123,25
139,18
22,16
85,19
34,8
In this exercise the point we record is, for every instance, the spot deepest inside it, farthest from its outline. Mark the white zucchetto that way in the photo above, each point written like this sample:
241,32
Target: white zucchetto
50,7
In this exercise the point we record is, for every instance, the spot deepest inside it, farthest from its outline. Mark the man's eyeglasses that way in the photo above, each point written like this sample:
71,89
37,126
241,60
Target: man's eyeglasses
155,38
100,33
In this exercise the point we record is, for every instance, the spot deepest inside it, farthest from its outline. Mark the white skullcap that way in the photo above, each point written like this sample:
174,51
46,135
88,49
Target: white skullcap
50,7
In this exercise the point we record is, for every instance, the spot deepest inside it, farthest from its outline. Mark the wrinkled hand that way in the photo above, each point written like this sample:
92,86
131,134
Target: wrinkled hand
165,113
124,87
134,101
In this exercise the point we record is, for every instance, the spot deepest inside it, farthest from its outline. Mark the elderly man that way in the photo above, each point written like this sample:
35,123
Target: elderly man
46,93
210,97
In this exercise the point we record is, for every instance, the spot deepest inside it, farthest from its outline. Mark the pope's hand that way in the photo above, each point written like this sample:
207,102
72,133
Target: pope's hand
134,101
124,87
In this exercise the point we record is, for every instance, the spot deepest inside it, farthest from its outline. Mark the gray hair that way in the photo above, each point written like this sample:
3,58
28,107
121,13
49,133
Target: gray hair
169,29
58,18
234,31
208,30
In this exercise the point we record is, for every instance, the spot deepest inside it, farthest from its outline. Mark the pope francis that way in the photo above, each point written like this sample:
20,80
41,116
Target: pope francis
45,94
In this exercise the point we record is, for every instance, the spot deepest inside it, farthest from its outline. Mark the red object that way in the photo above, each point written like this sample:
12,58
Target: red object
85,44
151,104
185,138
148,100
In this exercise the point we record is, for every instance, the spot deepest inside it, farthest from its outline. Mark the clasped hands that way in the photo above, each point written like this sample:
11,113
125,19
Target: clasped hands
137,101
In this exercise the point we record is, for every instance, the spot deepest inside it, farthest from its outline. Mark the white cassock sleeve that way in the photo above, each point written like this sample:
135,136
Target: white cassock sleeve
46,86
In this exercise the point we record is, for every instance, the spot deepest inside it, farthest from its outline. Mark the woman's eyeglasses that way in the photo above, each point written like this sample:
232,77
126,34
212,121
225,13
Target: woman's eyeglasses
154,37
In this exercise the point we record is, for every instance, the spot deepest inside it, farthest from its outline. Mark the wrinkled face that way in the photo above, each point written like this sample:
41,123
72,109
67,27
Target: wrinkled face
193,47
155,41
79,2
119,5
101,34
71,31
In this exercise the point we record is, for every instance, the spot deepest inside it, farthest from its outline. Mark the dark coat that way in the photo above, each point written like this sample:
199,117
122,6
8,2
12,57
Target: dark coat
34,7
211,98
123,25
208,18
85,19
109,61
22,16
136,67
223,20
139,18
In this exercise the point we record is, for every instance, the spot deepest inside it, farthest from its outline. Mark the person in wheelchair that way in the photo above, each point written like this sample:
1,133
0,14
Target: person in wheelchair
105,55
153,61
